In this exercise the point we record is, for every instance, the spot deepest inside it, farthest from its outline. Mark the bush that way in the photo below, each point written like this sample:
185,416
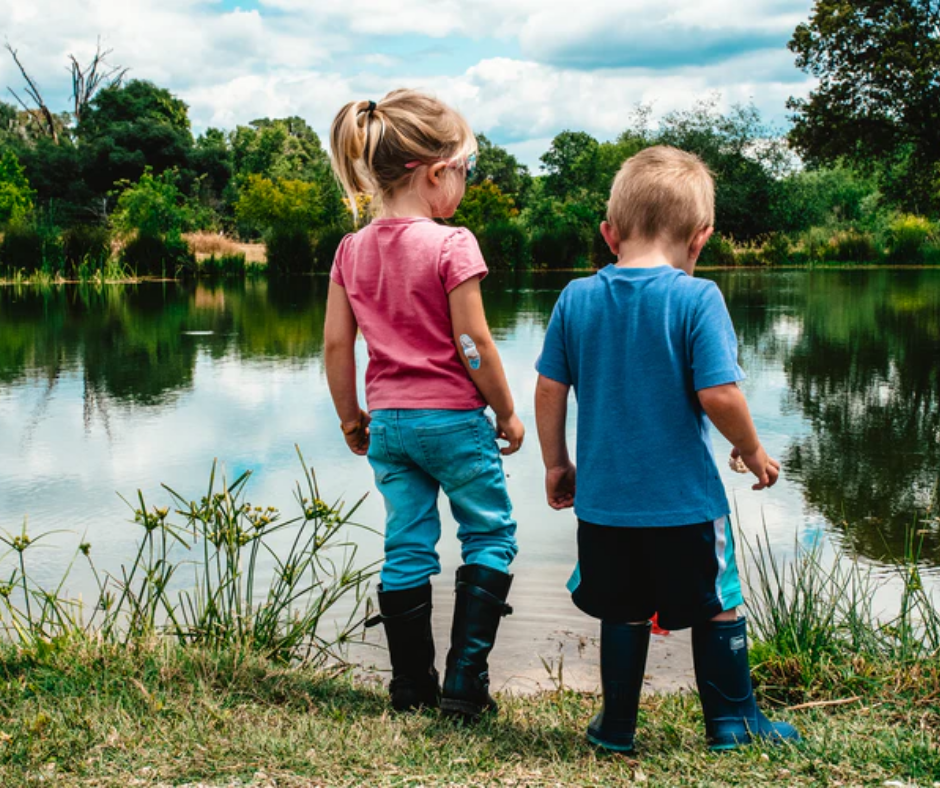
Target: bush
505,246
815,244
852,246
290,251
86,246
907,237
31,247
223,265
153,255
776,249
326,242
561,246
718,251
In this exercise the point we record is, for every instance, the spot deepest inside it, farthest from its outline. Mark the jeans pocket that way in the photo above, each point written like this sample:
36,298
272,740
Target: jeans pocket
378,442
453,453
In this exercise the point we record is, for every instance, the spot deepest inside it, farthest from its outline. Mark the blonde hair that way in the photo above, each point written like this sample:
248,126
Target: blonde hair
662,191
372,142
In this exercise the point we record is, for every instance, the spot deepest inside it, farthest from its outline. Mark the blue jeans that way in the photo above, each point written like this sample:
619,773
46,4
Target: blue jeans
416,453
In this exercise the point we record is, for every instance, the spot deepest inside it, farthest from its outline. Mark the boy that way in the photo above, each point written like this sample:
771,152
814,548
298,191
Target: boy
651,352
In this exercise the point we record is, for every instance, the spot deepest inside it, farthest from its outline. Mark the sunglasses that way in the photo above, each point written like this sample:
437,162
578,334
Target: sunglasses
466,164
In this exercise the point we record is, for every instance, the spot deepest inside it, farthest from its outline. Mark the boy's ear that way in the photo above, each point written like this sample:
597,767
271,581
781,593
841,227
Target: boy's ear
698,243
611,237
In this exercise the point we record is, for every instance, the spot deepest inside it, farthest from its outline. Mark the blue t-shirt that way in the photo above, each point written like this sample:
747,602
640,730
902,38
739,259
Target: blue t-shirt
636,344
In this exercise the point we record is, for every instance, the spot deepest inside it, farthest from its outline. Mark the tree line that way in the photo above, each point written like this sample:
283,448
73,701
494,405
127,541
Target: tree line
855,179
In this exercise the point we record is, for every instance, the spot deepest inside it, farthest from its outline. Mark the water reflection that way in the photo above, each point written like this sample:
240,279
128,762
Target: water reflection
844,366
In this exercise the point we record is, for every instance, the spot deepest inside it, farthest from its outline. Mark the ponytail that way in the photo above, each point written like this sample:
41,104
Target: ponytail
371,143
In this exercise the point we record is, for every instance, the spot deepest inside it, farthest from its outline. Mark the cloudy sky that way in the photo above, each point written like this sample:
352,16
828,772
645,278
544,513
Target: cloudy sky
521,70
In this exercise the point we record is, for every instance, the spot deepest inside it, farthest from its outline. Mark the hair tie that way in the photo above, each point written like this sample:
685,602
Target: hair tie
371,108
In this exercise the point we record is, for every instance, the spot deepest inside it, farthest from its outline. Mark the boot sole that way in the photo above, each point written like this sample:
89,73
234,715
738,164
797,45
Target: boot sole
604,745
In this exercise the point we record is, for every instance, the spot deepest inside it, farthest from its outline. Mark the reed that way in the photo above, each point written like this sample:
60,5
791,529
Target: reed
213,550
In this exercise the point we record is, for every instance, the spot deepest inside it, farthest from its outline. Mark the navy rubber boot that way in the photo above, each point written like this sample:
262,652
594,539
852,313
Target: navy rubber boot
719,652
406,616
480,603
623,662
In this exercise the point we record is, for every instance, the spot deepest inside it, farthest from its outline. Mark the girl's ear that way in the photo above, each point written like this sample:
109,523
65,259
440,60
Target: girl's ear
435,171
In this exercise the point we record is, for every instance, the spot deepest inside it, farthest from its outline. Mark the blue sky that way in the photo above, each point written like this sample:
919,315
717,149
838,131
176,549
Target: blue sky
521,71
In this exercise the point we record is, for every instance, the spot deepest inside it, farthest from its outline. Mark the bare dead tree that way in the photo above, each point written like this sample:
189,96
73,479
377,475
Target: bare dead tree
40,113
87,81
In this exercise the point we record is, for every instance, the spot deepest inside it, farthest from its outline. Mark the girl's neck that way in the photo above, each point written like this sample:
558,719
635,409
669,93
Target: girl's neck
406,205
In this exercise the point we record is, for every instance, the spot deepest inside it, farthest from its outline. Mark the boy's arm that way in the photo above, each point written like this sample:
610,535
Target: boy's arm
468,318
551,413
727,409
339,344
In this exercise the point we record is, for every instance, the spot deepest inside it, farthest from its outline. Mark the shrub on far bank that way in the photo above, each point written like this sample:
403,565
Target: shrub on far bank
505,246
86,247
222,265
718,251
290,251
907,238
852,246
560,246
326,242
155,255
31,247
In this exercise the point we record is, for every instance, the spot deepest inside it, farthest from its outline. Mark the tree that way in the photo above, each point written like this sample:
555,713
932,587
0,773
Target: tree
154,206
16,197
484,205
572,162
283,206
280,148
128,128
498,165
877,104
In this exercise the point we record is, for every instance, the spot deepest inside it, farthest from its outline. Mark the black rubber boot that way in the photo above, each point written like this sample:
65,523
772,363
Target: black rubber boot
479,605
407,618
623,662
719,651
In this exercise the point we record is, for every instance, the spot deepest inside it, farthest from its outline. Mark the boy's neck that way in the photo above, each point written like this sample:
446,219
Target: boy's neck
644,253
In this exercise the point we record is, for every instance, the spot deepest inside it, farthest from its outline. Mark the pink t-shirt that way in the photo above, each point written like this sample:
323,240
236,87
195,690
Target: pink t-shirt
397,274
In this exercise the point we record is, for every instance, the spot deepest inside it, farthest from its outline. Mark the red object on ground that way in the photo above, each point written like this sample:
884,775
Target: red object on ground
657,630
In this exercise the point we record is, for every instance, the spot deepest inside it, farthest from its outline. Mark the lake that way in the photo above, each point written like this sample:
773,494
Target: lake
114,389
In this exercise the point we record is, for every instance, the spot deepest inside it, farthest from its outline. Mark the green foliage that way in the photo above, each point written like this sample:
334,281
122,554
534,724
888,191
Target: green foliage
776,249
505,246
222,265
32,246
572,162
86,247
484,204
496,164
131,127
852,246
16,196
876,103
156,255
908,236
286,206
281,149
718,251
327,241
559,245
290,250
818,197
153,206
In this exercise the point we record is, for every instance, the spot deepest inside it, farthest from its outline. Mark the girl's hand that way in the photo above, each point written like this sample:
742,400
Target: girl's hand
560,486
512,431
356,433
765,468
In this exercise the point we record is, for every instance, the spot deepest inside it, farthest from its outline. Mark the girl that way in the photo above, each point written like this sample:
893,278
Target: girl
413,288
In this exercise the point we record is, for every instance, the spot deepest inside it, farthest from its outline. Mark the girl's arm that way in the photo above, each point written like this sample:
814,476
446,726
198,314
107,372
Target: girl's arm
468,318
339,343
551,414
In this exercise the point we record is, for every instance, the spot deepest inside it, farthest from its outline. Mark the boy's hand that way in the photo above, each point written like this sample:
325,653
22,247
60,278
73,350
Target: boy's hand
356,433
512,431
560,485
766,469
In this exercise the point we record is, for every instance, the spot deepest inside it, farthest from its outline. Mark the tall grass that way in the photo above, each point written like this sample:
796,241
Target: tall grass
214,551
819,630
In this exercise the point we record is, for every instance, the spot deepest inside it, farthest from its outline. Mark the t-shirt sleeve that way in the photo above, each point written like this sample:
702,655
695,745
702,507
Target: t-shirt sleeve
553,362
714,346
336,271
461,259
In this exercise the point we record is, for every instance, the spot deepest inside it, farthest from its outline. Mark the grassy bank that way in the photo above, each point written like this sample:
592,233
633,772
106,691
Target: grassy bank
80,713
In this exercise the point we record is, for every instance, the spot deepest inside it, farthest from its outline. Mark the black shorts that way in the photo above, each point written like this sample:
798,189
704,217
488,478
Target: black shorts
687,574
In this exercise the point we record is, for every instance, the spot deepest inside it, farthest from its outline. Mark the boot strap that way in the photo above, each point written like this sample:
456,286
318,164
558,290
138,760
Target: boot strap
485,596
408,615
